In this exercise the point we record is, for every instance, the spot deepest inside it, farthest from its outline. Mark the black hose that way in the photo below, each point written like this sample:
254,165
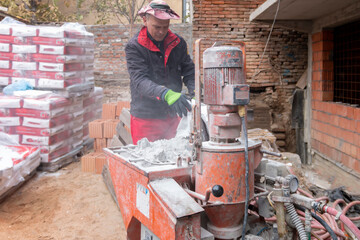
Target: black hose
246,177
320,220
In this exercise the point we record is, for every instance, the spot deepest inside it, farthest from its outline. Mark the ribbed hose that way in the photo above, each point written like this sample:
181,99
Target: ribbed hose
246,176
321,221
296,220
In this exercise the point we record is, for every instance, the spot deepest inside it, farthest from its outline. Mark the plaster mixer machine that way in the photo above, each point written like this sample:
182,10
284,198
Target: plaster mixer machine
207,194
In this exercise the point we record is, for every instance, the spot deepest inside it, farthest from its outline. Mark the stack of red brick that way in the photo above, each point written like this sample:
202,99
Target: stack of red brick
103,131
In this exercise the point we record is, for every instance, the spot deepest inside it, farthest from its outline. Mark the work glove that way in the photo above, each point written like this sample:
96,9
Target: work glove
177,102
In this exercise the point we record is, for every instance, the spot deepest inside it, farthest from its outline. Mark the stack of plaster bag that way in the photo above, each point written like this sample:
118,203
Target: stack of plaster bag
16,163
46,57
58,63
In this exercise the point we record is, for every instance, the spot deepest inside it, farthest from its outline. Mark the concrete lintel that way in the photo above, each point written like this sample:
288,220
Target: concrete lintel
301,25
261,9
338,18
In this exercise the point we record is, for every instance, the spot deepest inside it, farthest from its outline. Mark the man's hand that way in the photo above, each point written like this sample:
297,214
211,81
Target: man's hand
178,102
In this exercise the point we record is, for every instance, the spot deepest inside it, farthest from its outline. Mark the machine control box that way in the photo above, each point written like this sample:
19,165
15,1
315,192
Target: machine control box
238,94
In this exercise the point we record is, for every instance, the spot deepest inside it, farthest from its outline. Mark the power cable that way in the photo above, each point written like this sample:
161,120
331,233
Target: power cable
268,39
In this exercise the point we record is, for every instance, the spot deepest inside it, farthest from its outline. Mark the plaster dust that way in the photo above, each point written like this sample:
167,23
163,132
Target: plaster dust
68,204
166,151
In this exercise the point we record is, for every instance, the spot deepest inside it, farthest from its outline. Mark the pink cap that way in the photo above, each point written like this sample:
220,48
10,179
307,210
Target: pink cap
159,9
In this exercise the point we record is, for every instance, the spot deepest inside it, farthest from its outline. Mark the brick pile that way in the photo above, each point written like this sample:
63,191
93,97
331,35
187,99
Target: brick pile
102,131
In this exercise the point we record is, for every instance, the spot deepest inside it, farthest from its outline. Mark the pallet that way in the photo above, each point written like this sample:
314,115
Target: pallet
16,187
88,145
62,161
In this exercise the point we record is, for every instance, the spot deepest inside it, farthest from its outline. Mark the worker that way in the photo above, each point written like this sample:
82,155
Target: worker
158,63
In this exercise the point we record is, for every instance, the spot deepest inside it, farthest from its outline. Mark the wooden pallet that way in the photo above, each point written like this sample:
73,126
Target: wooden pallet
16,187
62,161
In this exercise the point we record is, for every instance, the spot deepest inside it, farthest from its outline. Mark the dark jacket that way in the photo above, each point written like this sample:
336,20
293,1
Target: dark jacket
152,73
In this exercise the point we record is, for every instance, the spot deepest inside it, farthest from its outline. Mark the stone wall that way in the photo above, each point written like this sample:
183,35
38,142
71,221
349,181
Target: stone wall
110,63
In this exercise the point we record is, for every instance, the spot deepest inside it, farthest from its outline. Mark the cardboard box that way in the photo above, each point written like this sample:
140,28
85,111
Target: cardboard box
109,111
100,161
120,106
96,128
88,162
110,127
99,144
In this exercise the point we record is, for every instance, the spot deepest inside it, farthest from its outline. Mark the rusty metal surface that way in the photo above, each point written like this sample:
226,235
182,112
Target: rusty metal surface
139,203
228,170
223,56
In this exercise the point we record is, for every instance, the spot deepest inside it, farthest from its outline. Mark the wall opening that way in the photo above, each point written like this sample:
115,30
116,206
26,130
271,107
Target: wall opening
347,63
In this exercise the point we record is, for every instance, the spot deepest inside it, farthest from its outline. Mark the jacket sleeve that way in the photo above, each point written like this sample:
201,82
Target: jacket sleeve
139,78
188,70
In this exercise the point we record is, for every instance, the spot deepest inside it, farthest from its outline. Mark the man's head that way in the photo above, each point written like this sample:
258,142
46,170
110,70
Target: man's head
156,16
156,27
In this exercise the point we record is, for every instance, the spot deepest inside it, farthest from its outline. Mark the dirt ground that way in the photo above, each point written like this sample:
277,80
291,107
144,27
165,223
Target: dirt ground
68,204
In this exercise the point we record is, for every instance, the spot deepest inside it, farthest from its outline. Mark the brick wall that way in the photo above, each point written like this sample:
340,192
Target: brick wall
110,63
283,63
335,127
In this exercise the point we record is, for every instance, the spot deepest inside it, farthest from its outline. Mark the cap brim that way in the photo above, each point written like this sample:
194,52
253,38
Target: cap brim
165,15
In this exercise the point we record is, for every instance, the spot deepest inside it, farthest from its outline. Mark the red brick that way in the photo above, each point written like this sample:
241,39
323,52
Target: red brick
317,66
109,111
316,95
100,161
96,128
327,95
88,162
99,144
345,123
345,159
110,127
316,75
120,105
316,37
356,166
357,113
317,46
350,112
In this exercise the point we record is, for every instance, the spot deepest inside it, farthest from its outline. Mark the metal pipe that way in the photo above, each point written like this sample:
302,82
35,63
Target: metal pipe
270,153
195,194
184,11
280,212
242,111
207,194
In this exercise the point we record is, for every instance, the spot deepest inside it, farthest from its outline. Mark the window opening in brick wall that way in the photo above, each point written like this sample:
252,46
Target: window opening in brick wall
347,63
